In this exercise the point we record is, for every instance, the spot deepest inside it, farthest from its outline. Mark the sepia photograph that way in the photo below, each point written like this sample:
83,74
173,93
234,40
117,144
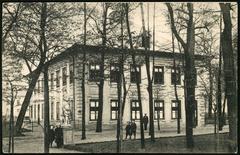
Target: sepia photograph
119,77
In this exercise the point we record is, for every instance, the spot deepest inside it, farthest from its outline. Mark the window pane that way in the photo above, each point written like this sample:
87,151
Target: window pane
97,67
92,104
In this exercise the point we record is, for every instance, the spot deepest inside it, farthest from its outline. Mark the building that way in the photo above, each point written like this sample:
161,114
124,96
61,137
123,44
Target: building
65,72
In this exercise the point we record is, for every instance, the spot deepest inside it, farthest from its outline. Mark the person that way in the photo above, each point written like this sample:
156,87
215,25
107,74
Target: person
134,128
145,121
51,135
128,130
59,136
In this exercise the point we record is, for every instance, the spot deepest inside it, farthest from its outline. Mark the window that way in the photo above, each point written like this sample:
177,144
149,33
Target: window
52,79
175,109
135,75
135,110
158,109
93,110
114,72
18,102
35,112
158,75
195,77
64,76
30,112
114,109
38,87
57,78
42,111
58,111
42,82
94,72
71,73
176,77
38,109
52,110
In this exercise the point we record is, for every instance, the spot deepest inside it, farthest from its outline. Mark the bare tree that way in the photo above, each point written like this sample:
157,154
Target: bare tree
229,74
190,70
137,78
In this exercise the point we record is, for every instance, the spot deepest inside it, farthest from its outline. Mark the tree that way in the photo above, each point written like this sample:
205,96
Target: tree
137,79
229,74
150,79
83,74
30,42
190,70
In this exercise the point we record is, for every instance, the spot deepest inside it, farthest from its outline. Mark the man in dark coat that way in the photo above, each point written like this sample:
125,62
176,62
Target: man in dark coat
145,121
59,136
51,135
134,128
128,130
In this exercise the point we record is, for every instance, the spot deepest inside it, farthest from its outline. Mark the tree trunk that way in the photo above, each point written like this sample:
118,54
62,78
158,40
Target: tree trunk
83,76
175,88
35,74
101,83
46,111
150,94
229,74
137,80
210,92
189,72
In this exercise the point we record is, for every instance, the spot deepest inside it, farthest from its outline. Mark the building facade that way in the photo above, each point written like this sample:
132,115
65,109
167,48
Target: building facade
65,73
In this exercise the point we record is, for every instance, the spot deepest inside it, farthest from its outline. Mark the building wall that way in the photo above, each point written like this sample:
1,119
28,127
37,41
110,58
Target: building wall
70,97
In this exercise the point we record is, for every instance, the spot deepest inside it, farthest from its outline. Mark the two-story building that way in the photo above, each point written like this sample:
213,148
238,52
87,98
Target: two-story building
65,73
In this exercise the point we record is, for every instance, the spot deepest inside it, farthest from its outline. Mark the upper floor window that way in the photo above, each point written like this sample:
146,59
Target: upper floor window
158,109
135,75
114,72
38,87
175,77
42,87
71,73
114,109
58,78
52,79
94,72
64,76
158,75
176,109
195,76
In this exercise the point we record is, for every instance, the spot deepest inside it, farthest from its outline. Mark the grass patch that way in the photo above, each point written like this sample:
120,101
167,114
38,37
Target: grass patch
203,144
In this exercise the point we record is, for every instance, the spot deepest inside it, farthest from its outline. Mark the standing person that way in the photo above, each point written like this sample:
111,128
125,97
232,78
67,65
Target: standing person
145,121
51,135
128,130
134,128
58,135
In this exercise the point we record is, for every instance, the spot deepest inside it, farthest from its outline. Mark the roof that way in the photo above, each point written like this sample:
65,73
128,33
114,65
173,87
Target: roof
78,48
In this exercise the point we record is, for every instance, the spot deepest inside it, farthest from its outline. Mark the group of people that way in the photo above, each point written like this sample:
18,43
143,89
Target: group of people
131,127
56,134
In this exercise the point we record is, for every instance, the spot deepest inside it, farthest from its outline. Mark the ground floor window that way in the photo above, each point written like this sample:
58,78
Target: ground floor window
52,110
176,107
158,109
135,110
42,110
58,111
114,109
34,112
94,104
30,112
